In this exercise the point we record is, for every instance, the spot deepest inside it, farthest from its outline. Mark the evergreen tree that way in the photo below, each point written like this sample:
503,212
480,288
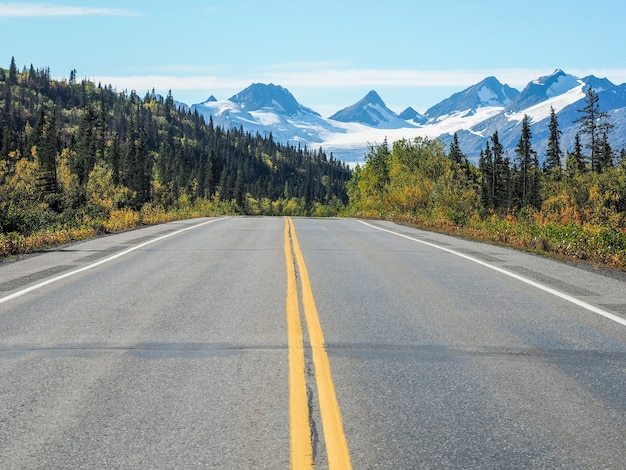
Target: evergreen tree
485,164
12,80
501,173
576,162
527,159
115,159
455,154
594,123
86,146
46,158
553,150
606,153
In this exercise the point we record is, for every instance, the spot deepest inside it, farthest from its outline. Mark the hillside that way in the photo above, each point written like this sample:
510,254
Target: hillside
72,153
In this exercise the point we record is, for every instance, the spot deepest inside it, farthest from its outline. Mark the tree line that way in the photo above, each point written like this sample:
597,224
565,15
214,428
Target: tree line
74,151
519,182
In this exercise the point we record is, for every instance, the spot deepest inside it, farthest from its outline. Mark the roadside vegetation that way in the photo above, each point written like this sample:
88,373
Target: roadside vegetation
572,207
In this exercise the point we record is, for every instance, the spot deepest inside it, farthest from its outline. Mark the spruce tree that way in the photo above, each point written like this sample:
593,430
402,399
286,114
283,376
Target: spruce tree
46,158
594,123
455,154
527,159
86,145
501,173
553,150
485,164
12,80
606,153
576,162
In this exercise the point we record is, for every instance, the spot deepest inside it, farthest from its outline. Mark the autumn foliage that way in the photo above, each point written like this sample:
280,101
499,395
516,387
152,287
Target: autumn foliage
577,215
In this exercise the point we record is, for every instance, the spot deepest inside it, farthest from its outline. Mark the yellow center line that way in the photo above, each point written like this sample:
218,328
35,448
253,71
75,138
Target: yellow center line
334,435
299,425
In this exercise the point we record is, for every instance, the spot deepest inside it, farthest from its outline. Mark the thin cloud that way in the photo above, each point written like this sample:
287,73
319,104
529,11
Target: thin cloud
343,78
48,9
327,76
169,82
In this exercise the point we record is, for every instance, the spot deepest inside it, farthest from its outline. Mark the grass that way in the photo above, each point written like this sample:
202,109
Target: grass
594,244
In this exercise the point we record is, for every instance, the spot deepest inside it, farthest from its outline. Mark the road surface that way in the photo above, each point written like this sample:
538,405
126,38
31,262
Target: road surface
267,342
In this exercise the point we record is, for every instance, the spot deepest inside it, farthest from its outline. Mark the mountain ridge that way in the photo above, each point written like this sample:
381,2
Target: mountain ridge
473,113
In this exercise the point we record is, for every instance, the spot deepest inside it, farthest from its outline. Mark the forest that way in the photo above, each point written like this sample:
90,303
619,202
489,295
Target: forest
571,206
79,158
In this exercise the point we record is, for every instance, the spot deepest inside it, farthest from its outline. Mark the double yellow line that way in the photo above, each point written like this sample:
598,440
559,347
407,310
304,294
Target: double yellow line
299,424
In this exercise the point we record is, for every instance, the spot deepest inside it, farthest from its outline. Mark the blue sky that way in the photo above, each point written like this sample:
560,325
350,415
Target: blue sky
329,54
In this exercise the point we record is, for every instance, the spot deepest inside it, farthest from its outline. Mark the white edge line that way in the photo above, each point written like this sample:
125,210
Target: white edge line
98,263
526,280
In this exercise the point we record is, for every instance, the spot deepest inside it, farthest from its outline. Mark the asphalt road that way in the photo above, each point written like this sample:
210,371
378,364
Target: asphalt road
168,347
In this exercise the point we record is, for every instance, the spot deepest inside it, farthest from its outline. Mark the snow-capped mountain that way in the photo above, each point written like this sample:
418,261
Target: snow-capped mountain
542,89
261,97
474,114
409,114
268,109
559,91
371,111
489,93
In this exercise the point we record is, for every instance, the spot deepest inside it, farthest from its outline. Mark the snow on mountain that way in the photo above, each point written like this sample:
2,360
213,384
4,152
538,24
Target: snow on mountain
541,110
474,114
267,109
371,111
259,96
543,89
560,91
598,84
409,114
488,93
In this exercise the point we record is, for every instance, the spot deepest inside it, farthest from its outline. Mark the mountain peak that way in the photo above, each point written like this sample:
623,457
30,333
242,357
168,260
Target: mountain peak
486,93
544,88
373,98
261,96
371,111
598,84
409,114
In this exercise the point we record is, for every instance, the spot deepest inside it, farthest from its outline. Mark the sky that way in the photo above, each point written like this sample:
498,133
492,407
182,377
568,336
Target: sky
328,53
